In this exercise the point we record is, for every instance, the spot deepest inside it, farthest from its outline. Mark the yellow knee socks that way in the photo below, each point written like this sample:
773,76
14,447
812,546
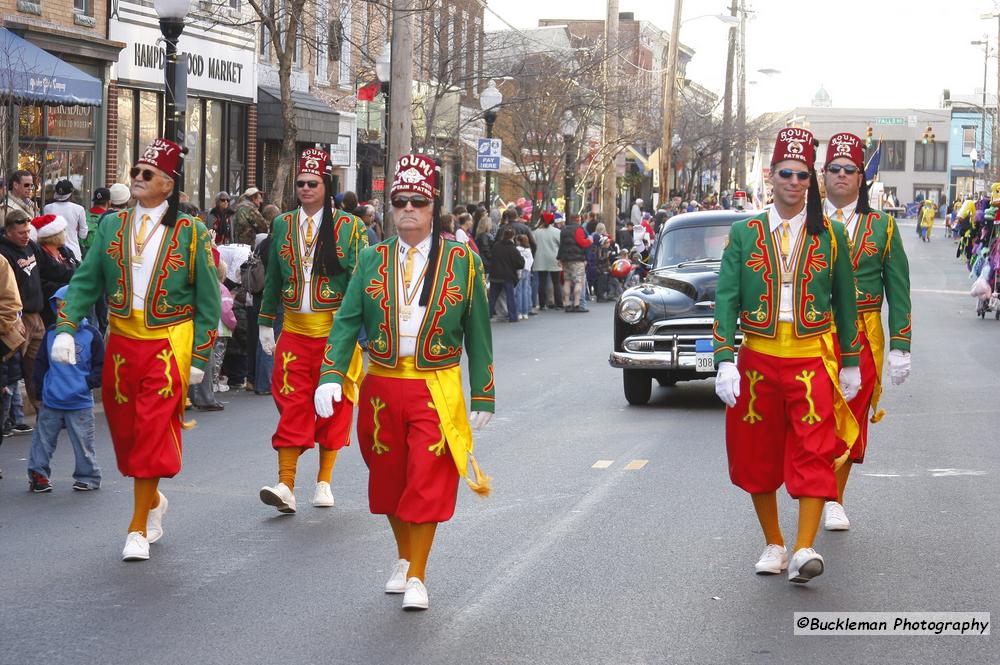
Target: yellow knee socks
810,511
421,539
766,506
146,498
401,530
288,460
842,473
327,458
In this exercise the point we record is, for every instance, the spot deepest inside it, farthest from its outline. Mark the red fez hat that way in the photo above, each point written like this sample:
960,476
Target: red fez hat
846,145
416,174
315,161
162,154
548,217
795,143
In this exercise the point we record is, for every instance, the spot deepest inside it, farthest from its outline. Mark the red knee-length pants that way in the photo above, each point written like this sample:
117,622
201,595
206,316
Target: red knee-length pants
297,362
782,428
861,405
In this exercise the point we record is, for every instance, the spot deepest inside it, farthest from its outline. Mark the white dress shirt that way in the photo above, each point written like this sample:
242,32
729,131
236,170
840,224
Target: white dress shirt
850,219
795,229
317,219
76,223
155,233
408,330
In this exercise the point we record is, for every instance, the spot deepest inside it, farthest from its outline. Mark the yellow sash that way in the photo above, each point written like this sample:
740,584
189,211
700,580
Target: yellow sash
785,344
445,387
318,324
181,337
871,324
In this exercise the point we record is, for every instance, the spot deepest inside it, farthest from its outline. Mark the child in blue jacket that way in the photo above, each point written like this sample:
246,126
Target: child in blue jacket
64,392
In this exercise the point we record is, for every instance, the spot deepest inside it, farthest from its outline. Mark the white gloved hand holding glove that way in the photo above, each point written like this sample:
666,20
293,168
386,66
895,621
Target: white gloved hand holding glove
899,366
63,349
266,336
727,383
196,376
479,419
324,397
850,382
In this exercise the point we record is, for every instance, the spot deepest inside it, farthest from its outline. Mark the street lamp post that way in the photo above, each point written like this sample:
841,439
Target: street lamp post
982,129
568,128
172,14
489,100
974,156
383,70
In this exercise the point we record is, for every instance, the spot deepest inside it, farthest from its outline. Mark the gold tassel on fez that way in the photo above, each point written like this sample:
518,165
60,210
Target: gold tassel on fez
482,485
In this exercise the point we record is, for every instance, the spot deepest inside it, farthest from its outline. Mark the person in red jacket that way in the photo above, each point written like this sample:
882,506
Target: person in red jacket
573,244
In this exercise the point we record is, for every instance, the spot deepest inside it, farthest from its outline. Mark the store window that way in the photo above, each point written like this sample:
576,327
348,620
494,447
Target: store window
126,134
149,118
192,162
56,143
930,156
213,151
236,154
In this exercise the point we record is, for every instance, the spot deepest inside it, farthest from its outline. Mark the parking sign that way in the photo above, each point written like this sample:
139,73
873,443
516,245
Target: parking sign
488,154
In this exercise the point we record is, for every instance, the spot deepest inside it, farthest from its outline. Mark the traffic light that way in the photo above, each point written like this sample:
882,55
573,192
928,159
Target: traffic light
869,135
928,135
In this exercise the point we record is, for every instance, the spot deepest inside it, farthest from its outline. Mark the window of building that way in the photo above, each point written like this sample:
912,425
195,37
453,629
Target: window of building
265,34
126,133
234,5
192,161
968,139
476,46
213,181
893,155
930,156
345,78
435,40
85,7
334,40
56,143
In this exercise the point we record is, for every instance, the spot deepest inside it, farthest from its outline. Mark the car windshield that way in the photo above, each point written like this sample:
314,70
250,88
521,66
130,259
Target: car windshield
692,243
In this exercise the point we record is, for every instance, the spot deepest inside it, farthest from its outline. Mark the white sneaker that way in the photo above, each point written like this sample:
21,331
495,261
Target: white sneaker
836,518
278,496
773,560
136,547
223,388
323,497
397,581
415,595
154,523
805,565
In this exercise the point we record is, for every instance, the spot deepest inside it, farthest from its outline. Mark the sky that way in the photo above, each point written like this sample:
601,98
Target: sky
866,53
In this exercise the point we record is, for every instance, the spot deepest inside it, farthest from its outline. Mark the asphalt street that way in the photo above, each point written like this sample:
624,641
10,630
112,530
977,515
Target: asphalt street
613,535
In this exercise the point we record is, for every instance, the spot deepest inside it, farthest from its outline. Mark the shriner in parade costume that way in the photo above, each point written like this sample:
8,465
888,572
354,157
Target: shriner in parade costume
419,298
882,273
786,276
164,306
313,253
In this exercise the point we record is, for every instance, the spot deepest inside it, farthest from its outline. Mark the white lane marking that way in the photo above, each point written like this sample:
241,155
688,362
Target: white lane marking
636,464
882,475
941,473
602,463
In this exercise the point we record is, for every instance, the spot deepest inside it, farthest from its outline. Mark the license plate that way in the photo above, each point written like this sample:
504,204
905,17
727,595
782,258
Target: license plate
704,359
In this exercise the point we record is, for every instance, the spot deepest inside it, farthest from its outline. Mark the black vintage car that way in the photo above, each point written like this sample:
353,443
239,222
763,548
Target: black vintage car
663,326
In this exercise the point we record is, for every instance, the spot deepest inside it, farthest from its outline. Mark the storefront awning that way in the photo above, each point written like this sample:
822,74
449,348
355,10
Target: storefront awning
29,75
316,121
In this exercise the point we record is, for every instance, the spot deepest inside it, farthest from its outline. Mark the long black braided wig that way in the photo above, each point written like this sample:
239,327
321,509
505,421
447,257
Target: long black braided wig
327,263
432,260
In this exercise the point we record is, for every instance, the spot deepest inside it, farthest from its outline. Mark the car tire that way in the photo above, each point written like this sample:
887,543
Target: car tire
638,386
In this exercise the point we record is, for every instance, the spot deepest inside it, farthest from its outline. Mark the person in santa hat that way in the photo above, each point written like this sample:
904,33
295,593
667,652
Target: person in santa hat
882,273
313,254
419,299
786,278
56,261
155,264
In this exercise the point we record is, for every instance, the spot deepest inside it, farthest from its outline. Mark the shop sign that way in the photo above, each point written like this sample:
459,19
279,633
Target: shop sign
340,152
213,67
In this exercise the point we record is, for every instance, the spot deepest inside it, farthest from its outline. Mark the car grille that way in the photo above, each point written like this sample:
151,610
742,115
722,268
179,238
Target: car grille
676,338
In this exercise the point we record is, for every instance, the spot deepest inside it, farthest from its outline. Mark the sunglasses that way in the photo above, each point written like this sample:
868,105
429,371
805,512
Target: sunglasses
27,185
786,174
146,174
849,169
311,184
415,201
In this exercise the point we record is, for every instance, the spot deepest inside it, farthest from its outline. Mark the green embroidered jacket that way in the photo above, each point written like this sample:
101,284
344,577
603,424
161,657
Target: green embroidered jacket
882,272
284,282
749,287
457,312
174,295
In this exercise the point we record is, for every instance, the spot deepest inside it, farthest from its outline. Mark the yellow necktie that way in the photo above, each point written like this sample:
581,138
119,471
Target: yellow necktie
309,230
785,238
143,229
408,268
839,215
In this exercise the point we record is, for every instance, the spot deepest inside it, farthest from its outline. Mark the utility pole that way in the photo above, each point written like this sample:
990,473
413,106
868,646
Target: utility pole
400,98
995,154
741,103
669,92
609,187
725,145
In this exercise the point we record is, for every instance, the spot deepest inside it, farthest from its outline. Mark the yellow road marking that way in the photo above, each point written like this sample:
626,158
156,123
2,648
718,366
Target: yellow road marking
636,464
602,463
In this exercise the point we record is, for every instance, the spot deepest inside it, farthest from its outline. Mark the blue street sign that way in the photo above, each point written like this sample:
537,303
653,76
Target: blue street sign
487,163
489,147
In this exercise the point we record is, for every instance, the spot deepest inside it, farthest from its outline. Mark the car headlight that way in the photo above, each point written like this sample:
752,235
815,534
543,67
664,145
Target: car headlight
631,310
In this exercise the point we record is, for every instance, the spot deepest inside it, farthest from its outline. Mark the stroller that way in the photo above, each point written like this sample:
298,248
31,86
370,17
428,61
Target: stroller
984,289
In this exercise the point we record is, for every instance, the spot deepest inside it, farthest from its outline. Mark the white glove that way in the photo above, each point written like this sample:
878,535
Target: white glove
266,336
63,349
727,383
850,382
899,366
479,419
196,376
324,397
